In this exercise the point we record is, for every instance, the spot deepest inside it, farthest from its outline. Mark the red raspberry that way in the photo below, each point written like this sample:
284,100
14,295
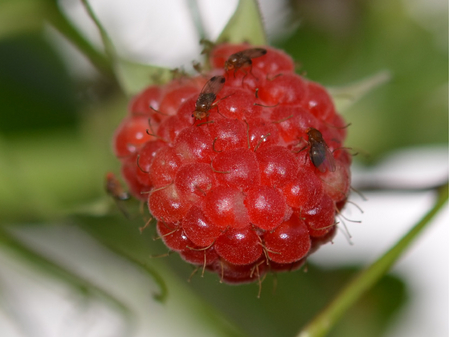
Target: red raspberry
147,103
289,242
131,136
174,237
224,206
243,168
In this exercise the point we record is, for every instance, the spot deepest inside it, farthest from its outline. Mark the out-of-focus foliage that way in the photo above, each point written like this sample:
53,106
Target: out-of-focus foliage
56,130
245,25
287,301
339,42
36,92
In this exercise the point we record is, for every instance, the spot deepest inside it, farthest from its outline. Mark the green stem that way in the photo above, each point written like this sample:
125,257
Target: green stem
66,28
323,323
51,268
197,18
109,48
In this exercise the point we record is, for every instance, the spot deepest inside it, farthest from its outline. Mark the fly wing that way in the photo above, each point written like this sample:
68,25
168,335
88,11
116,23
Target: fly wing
254,52
214,85
114,187
322,158
116,191
329,162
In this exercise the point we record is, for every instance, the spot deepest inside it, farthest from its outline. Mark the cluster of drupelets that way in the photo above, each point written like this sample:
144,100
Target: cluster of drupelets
243,167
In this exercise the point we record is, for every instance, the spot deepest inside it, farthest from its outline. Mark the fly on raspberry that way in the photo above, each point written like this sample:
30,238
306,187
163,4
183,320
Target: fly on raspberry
243,59
115,189
319,153
205,100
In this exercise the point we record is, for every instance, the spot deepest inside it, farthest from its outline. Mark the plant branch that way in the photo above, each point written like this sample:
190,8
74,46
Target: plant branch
323,323
196,16
109,48
66,28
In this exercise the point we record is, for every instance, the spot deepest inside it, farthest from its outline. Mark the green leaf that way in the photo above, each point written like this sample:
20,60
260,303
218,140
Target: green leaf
19,16
366,279
379,35
289,300
134,77
124,238
114,224
245,25
35,83
347,95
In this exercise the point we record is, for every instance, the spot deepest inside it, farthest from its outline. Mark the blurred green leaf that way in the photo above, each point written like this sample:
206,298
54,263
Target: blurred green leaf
36,91
348,95
105,222
40,262
282,308
246,25
20,16
124,238
54,172
359,38
366,279
290,300
45,175
134,77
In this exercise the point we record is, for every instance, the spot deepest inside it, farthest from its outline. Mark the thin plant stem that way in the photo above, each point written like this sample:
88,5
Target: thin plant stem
367,278
67,29
195,13
109,48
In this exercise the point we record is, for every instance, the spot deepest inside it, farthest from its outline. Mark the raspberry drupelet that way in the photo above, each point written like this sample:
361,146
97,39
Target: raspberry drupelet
242,168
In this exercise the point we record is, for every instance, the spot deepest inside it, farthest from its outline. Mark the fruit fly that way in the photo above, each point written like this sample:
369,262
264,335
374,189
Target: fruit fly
114,188
243,59
116,191
205,100
319,153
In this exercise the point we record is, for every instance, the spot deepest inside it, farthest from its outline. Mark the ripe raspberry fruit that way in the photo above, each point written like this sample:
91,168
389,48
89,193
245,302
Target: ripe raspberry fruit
243,168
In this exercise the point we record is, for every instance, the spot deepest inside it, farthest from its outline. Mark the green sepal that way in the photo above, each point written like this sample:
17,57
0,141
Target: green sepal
246,25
